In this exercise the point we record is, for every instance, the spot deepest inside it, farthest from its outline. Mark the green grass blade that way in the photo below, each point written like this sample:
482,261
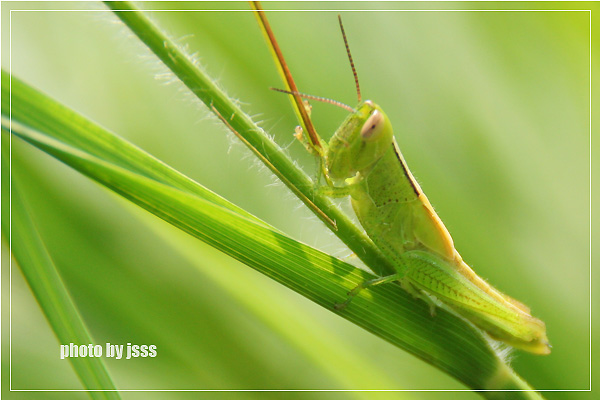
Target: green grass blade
445,341
48,288
66,124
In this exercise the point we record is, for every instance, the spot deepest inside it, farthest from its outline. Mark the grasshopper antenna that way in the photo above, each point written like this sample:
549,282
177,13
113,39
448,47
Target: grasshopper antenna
317,98
350,59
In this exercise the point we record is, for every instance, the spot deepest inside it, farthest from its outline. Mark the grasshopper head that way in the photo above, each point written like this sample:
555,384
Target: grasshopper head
360,141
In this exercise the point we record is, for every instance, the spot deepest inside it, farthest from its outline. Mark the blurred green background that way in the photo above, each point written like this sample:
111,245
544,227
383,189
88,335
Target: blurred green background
491,111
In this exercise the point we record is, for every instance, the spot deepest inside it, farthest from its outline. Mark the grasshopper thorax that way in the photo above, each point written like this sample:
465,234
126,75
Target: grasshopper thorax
361,140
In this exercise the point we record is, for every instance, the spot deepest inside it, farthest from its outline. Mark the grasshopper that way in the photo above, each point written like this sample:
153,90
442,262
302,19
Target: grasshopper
363,161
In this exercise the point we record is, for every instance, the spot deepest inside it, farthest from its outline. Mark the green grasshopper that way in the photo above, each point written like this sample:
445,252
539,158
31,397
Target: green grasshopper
363,161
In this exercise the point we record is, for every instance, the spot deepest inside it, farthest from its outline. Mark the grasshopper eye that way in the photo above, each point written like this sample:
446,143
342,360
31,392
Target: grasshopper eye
373,127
